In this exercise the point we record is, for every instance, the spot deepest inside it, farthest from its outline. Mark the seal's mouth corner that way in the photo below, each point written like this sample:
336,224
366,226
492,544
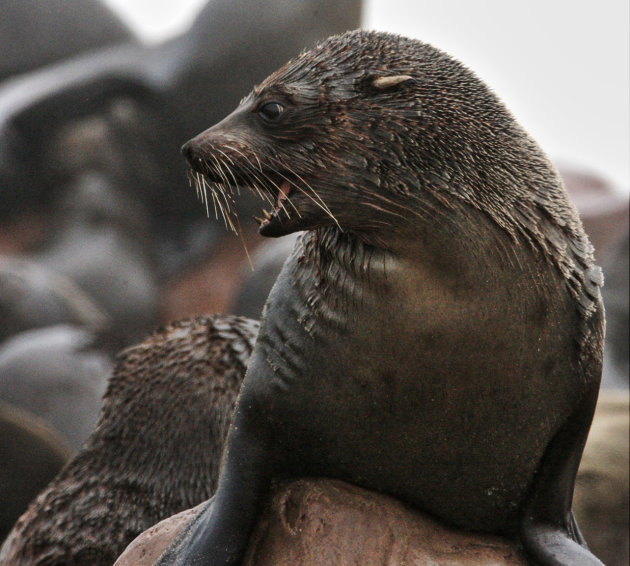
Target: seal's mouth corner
280,205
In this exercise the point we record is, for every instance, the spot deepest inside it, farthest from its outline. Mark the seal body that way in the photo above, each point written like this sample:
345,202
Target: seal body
56,30
32,296
419,410
436,333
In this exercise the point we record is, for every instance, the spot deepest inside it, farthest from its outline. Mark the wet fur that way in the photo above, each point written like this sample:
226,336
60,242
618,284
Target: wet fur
444,296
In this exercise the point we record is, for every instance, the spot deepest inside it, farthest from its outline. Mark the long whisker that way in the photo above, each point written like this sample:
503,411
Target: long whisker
204,192
224,170
228,211
252,172
229,169
281,204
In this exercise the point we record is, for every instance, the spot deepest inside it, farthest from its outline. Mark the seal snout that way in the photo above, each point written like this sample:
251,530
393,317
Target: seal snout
194,155
188,151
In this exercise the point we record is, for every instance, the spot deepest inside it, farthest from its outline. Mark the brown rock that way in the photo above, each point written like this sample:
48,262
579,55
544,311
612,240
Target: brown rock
147,548
320,522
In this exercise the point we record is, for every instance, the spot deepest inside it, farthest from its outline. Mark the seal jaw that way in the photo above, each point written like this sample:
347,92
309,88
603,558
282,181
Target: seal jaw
272,224
291,212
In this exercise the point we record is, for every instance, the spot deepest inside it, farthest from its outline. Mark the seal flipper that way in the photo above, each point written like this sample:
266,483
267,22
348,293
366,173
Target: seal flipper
219,534
549,532
169,556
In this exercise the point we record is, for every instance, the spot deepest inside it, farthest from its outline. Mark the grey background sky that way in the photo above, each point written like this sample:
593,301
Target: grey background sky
562,66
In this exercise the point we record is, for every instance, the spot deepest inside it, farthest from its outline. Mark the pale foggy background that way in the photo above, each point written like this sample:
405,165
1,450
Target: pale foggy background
562,66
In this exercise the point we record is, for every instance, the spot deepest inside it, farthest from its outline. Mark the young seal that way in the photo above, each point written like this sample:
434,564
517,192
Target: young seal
437,332
155,450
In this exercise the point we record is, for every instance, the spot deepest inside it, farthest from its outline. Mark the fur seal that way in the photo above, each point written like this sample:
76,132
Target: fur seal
436,334
256,284
155,450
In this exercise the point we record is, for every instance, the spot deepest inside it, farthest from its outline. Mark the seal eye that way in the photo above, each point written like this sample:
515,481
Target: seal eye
271,111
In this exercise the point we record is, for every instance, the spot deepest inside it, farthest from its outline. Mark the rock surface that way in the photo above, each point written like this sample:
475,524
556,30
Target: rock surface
147,548
317,522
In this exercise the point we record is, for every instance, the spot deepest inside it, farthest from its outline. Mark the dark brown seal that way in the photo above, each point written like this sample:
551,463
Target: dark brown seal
155,450
437,332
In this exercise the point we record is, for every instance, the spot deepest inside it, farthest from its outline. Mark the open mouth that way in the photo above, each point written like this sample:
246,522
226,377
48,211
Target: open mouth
280,201
222,183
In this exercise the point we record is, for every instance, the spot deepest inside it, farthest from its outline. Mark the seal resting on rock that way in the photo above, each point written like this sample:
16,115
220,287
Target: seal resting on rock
436,334
155,450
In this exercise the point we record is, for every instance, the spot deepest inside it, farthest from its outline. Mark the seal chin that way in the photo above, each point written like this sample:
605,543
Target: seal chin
286,216
276,227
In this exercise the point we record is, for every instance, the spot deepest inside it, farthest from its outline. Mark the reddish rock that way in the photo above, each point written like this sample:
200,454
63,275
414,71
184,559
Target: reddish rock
318,522
147,548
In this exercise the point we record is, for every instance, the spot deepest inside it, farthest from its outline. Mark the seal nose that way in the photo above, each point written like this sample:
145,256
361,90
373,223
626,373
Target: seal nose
188,151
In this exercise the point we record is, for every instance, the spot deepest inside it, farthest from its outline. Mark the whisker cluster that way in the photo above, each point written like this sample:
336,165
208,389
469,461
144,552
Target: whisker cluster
226,170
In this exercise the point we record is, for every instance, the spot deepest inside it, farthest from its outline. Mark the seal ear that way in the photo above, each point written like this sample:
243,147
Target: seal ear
386,83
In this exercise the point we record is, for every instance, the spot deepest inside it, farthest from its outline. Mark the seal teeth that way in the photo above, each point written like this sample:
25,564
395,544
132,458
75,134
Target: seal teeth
285,189
267,214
